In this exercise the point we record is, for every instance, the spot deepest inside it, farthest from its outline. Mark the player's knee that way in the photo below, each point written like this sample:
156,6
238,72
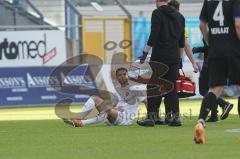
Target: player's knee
238,90
216,90
97,100
109,112
112,114
237,24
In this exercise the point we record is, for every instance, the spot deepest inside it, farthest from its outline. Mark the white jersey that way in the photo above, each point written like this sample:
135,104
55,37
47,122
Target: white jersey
129,99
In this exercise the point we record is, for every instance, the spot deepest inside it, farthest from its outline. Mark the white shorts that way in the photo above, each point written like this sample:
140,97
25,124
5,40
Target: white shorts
124,118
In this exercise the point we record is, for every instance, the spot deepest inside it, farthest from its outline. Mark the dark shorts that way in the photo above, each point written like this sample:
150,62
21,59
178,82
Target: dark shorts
203,80
224,71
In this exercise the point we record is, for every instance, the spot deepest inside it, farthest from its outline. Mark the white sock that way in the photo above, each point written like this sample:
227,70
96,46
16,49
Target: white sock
202,122
87,108
94,120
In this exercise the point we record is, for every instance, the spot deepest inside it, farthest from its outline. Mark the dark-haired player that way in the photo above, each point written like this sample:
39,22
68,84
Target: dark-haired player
124,110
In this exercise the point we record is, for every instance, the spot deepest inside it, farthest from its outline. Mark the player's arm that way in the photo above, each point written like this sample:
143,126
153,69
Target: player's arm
237,26
155,28
204,29
181,42
115,99
236,14
203,21
189,53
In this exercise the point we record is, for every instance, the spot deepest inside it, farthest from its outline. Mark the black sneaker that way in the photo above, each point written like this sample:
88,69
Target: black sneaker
159,122
175,122
167,121
212,119
146,122
226,109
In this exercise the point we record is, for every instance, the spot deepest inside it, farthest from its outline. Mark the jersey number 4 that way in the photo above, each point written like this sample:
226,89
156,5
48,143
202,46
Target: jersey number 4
218,14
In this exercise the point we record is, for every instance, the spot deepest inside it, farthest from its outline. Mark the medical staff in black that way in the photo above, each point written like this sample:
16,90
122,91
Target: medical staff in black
167,41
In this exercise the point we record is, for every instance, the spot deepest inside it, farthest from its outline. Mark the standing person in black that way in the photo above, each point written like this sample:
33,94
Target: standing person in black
203,87
188,51
167,42
220,25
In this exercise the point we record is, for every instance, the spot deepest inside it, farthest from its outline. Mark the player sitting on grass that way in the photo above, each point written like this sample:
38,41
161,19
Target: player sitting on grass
124,110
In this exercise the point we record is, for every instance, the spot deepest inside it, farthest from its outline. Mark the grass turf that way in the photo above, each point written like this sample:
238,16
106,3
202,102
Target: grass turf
43,139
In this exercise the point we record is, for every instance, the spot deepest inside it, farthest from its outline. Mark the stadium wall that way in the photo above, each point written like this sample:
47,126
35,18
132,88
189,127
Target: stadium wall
27,59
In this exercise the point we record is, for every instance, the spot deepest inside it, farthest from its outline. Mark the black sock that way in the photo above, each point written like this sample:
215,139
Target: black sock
171,101
208,103
239,106
159,101
153,104
214,111
221,102
168,112
151,107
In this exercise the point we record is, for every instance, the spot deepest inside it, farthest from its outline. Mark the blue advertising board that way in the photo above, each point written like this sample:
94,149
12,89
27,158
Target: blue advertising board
30,86
142,27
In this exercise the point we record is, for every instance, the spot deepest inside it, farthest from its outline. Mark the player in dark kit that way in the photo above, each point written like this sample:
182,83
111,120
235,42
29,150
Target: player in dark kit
221,30
166,39
203,87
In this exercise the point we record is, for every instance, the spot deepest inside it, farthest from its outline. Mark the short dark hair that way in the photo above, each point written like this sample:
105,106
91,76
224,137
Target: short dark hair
121,69
175,4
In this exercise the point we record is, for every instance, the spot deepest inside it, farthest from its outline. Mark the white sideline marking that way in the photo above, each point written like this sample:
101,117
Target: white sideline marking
233,130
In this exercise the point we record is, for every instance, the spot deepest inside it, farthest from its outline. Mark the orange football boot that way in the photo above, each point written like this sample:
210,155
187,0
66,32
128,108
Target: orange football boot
199,137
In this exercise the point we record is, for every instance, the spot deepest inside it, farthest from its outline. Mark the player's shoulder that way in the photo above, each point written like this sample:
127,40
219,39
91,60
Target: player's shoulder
155,11
181,16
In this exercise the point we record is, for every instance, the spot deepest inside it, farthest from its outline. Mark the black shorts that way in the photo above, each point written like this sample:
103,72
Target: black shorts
203,80
224,71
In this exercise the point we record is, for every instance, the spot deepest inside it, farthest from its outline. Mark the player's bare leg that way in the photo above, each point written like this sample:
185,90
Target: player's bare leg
238,88
103,110
91,103
112,114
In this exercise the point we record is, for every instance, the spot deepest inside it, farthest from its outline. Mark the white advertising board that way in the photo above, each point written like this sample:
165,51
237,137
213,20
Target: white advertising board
32,48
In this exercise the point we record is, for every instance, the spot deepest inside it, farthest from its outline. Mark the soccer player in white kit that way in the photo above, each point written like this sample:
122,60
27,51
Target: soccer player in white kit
125,105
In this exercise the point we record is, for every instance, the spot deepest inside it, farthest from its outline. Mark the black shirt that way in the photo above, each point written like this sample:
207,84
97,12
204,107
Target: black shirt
167,34
220,15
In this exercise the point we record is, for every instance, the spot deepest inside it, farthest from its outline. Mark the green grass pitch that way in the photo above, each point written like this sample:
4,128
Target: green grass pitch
34,133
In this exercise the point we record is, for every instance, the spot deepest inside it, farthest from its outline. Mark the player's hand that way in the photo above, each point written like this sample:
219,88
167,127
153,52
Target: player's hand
120,108
195,67
143,57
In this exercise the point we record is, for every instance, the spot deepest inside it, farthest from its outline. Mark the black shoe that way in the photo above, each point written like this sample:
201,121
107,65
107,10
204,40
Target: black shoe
159,122
226,109
146,122
212,119
175,122
167,121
